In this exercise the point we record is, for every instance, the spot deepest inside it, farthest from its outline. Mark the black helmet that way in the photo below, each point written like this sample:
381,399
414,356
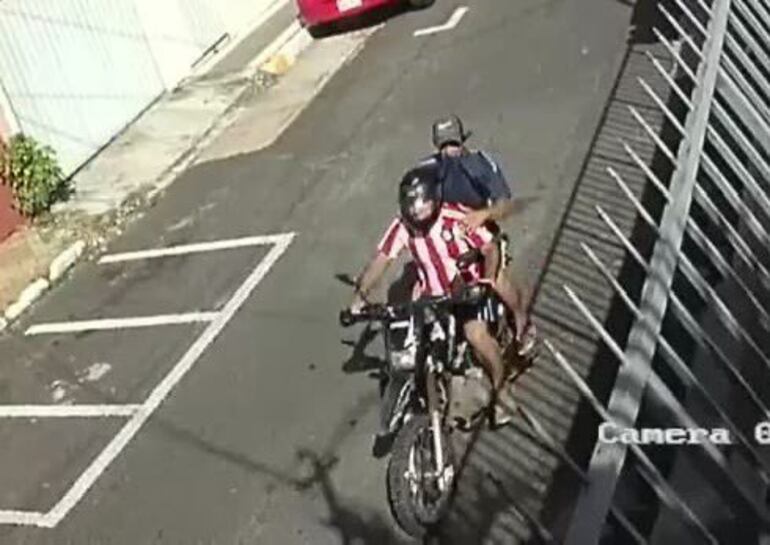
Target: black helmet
419,197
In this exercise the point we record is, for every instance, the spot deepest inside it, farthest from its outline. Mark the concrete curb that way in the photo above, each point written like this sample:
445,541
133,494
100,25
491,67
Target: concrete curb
29,295
65,260
56,271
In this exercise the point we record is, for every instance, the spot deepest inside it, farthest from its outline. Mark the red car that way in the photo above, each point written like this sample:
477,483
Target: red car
316,14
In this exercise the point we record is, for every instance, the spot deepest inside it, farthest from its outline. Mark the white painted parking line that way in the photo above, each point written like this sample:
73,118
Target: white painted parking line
138,414
23,518
120,323
67,411
453,21
162,390
198,247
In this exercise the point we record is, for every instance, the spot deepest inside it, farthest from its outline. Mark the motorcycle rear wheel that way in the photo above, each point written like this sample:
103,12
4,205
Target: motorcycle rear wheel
415,507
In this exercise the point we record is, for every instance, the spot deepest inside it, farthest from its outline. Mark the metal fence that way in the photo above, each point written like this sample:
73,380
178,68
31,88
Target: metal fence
697,355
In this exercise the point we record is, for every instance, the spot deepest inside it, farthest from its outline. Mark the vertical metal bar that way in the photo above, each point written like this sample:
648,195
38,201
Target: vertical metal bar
551,443
671,83
750,184
690,324
608,459
693,19
732,235
679,367
763,13
731,195
664,490
687,38
755,48
724,313
715,467
724,268
652,134
743,59
674,53
745,110
746,88
644,167
755,23
662,105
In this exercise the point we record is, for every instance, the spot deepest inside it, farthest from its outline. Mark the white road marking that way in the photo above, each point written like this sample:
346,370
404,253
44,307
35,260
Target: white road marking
120,323
192,248
23,518
67,411
453,21
159,394
138,414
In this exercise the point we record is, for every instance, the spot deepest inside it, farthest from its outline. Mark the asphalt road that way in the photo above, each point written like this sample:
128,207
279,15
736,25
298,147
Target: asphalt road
267,437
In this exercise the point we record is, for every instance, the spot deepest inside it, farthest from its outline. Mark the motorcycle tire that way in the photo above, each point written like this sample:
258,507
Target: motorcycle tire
415,520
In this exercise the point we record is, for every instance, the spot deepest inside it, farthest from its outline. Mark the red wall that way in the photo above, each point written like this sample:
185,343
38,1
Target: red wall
10,220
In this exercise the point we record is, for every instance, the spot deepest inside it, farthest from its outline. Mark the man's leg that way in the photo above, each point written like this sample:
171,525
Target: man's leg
512,295
513,299
488,351
490,356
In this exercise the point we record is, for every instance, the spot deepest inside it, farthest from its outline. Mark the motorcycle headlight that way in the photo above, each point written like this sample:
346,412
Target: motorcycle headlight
402,360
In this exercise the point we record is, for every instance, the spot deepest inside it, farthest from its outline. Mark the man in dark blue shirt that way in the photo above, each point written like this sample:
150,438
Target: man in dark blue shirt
474,179
469,177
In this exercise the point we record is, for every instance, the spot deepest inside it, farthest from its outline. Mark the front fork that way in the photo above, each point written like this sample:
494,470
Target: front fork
435,412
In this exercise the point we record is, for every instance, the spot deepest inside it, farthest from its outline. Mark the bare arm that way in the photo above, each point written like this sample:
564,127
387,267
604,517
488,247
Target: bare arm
370,277
500,210
491,253
497,212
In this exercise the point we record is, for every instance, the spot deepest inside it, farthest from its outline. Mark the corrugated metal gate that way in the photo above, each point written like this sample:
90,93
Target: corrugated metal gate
77,71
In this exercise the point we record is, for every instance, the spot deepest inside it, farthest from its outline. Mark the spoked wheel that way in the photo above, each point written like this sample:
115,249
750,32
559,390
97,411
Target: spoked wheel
419,497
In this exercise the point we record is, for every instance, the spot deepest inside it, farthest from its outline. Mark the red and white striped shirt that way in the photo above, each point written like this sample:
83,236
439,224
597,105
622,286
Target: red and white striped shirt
436,252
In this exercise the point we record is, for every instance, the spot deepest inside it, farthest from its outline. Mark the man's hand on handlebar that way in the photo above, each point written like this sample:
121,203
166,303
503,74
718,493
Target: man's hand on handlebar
358,304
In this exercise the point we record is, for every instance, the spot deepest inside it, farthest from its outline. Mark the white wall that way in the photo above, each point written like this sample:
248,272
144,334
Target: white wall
240,15
178,31
76,72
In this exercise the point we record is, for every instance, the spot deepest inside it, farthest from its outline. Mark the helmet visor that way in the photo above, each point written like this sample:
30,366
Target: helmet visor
420,205
421,209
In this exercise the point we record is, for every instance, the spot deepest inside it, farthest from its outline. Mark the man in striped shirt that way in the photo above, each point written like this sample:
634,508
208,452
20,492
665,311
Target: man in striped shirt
436,237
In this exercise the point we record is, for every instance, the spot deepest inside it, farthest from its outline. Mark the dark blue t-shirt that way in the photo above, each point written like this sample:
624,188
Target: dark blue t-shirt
473,179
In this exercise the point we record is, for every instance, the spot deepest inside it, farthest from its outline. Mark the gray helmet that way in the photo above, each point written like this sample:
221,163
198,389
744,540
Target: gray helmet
449,130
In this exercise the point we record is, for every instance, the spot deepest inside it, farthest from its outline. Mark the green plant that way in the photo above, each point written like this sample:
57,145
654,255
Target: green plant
33,173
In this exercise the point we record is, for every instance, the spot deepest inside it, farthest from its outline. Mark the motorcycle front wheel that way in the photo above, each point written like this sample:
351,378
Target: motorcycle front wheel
417,499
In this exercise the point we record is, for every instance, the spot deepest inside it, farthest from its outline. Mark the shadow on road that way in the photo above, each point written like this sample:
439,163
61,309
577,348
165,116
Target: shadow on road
353,525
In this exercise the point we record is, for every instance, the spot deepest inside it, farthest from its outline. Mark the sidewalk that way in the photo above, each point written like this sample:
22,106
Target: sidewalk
148,155
159,144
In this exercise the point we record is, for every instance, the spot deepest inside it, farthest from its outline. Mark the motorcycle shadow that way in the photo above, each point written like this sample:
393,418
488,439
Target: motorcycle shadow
398,292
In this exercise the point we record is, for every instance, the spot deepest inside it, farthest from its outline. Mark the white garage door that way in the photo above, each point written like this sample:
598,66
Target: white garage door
77,71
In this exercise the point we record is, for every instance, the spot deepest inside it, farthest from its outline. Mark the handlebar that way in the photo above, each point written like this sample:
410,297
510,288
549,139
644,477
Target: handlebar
378,312
370,313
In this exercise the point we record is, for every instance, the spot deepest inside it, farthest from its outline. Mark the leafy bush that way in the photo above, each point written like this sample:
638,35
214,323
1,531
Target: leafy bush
33,173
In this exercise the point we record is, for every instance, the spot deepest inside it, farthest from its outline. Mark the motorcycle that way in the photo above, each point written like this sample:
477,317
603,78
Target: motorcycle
431,371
